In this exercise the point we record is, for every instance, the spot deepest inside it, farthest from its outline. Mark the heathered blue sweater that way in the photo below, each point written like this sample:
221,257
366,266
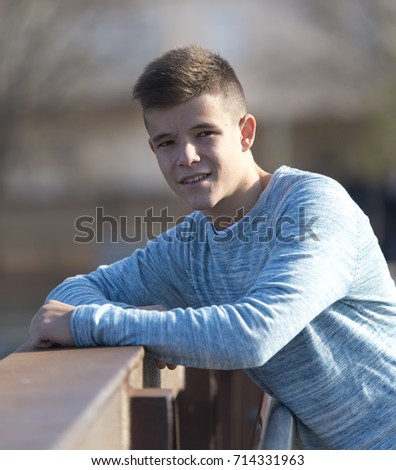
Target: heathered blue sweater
297,292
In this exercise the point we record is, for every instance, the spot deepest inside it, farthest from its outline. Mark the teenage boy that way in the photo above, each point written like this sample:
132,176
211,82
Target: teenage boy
277,274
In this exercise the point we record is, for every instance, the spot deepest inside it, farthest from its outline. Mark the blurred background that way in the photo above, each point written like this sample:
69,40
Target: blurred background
319,76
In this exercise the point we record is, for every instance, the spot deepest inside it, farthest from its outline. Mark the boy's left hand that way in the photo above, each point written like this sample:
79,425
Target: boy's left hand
51,325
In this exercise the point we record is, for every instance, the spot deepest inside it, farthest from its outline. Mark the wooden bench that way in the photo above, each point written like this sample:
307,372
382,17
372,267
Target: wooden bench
115,398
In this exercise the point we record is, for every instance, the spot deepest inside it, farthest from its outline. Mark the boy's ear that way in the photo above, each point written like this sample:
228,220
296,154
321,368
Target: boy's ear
247,125
151,145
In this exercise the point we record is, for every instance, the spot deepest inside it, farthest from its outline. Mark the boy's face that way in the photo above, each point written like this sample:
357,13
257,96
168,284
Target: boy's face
202,149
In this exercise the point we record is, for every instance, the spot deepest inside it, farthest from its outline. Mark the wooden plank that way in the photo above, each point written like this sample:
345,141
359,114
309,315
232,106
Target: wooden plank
152,419
66,398
196,407
238,402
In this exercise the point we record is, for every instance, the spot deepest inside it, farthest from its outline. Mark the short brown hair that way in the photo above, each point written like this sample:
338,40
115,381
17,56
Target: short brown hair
185,73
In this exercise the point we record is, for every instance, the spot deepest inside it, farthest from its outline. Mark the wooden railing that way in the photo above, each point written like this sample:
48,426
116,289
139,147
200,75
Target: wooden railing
115,398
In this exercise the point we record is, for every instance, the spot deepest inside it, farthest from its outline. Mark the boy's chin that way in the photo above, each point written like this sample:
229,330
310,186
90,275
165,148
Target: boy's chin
203,206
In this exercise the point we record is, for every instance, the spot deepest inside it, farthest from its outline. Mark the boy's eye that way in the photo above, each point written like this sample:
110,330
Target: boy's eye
164,144
205,133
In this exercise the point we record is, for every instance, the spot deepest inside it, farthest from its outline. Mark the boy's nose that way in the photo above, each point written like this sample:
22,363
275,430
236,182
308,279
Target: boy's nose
188,154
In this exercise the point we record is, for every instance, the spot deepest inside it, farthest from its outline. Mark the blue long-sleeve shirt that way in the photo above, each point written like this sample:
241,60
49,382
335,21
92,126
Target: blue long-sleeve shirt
297,292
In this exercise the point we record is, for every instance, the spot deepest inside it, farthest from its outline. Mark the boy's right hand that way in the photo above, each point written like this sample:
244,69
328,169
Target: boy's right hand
158,363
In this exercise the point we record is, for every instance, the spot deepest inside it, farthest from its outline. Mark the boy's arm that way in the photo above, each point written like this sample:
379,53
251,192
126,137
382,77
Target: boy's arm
51,326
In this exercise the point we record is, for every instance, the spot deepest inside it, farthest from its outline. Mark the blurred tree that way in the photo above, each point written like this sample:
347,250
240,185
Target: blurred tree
39,55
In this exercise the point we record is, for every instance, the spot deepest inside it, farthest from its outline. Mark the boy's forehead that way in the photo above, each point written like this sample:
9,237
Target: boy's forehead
204,107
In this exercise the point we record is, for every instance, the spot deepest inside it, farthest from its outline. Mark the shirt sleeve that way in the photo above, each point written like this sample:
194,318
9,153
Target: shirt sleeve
311,266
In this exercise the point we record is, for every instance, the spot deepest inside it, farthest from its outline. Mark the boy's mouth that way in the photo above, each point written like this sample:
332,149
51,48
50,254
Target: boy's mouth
195,178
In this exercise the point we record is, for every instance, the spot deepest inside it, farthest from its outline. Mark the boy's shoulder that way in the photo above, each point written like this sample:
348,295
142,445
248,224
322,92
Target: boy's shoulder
293,183
288,176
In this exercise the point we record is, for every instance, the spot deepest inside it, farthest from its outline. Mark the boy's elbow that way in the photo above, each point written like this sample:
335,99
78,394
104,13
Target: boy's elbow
249,355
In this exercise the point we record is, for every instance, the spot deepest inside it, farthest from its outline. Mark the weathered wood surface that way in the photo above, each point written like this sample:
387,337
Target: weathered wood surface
115,398
73,398
152,415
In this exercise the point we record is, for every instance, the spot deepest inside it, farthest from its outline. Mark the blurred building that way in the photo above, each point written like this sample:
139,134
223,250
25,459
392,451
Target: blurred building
319,76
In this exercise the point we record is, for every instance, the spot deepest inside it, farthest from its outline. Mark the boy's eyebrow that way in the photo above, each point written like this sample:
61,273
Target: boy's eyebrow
165,135
203,125
159,137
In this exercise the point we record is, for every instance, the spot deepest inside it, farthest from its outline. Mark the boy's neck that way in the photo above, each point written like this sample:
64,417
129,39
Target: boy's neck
246,203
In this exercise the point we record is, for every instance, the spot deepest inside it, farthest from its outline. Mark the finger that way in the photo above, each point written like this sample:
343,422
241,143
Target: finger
163,364
42,344
160,364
